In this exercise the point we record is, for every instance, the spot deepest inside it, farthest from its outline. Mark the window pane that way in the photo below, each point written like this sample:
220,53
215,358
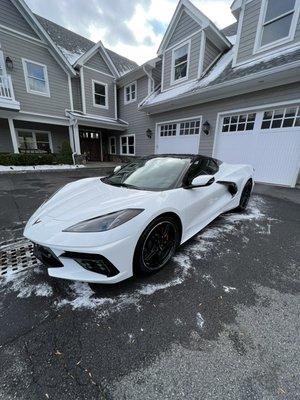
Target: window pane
99,100
297,122
180,54
124,149
242,118
265,125
290,112
250,126
123,140
276,123
234,119
226,120
276,30
180,71
131,149
251,117
241,127
268,114
37,85
278,7
225,128
278,113
99,89
288,122
233,127
42,137
35,71
131,140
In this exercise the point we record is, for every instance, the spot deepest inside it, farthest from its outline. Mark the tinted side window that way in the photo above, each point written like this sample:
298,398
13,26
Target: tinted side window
204,166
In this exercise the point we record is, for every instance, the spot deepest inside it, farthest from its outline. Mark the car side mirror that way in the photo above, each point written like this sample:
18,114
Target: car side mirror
117,168
202,181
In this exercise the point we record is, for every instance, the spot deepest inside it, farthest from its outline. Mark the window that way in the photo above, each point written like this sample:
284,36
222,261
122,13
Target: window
112,145
238,123
2,64
281,118
203,166
127,145
100,94
190,127
278,22
168,129
180,57
34,141
130,93
36,78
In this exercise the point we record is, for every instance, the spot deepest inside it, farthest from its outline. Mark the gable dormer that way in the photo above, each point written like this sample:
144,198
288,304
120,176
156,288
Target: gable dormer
190,45
265,27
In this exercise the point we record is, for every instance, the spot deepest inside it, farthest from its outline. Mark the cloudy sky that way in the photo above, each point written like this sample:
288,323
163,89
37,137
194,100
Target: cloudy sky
133,28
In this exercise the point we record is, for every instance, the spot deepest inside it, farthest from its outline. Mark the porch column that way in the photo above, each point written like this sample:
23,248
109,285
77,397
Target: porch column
76,138
71,138
13,135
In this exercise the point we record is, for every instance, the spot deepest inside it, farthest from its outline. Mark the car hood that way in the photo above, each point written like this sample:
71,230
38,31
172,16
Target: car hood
89,198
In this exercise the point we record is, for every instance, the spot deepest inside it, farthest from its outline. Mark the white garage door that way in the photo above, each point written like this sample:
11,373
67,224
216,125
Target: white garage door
178,137
269,140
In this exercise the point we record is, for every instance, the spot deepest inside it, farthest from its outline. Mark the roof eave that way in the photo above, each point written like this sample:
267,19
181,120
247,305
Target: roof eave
273,77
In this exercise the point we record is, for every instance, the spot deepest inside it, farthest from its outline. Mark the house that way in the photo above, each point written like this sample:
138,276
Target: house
233,93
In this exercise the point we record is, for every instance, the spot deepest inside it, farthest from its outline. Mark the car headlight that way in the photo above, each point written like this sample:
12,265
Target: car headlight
105,222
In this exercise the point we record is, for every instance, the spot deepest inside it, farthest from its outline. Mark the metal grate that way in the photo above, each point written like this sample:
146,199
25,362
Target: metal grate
16,256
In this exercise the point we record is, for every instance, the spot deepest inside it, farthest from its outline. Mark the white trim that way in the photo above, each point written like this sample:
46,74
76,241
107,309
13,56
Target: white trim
115,139
177,81
106,94
201,54
70,92
96,70
41,118
131,99
83,99
177,121
34,131
13,135
71,138
116,99
163,71
3,62
248,109
127,154
25,70
238,36
257,44
184,40
19,33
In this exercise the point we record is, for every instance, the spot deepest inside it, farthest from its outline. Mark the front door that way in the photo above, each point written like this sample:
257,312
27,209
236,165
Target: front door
90,143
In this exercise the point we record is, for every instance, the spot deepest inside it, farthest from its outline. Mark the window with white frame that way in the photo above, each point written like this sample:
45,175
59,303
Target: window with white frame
191,127
127,145
130,93
100,94
277,22
34,141
238,123
180,61
36,78
112,145
288,117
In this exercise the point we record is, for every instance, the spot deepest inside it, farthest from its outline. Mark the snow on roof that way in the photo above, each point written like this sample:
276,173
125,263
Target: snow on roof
232,39
71,56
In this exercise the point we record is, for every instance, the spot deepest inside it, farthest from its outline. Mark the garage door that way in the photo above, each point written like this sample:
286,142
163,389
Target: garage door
178,137
269,140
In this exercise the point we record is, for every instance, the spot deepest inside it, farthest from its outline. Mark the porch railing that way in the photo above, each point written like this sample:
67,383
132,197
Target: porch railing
6,88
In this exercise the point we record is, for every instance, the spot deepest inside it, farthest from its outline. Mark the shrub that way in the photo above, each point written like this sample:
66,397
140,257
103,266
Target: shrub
35,159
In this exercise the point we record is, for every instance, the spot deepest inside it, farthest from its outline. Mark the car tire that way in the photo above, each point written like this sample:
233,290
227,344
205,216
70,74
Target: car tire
245,196
156,245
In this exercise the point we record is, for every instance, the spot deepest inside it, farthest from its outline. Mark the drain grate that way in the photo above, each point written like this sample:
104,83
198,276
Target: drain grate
16,256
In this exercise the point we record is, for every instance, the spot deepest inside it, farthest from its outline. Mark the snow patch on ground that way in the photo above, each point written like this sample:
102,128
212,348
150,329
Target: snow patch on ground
200,320
10,168
228,289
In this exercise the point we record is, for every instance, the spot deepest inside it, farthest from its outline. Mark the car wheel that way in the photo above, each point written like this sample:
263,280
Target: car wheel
156,246
245,196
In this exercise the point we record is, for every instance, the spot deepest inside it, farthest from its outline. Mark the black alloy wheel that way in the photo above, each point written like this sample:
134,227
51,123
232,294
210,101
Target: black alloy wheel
156,245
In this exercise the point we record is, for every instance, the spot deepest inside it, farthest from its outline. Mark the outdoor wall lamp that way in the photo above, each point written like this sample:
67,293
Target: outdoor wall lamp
149,133
206,128
9,63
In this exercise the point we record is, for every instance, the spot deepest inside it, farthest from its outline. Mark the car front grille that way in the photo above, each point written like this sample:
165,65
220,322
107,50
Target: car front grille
46,256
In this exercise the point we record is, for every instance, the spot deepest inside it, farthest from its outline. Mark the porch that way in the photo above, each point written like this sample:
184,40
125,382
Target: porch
7,96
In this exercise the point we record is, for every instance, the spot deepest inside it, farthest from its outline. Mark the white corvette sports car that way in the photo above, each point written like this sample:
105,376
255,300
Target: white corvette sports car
106,229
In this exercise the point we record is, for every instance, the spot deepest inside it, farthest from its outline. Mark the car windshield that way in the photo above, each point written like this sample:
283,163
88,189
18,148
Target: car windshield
159,173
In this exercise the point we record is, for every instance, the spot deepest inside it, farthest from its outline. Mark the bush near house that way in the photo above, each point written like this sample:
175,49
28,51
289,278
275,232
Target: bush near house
63,157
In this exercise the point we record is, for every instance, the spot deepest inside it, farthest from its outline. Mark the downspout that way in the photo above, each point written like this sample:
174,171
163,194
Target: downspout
116,103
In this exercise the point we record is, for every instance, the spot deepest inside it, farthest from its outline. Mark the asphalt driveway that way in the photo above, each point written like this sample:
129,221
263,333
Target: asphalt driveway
221,321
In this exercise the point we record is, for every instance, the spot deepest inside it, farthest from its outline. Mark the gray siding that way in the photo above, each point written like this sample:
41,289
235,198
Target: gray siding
193,65
210,54
11,17
76,92
249,29
138,121
185,27
17,48
89,75
156,73
5,138
97,62
210,110
59,133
